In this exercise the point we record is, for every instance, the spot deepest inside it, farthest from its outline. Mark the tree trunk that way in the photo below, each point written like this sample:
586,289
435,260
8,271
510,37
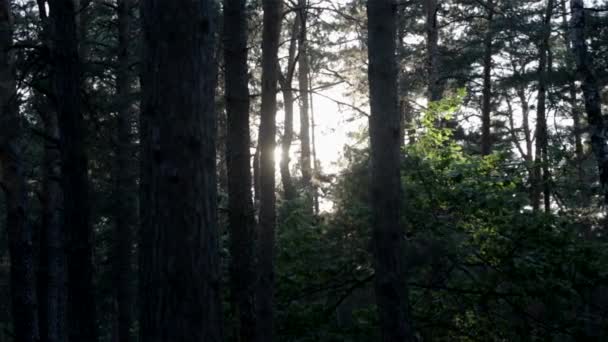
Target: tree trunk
576,112
541,167
313,143
486,110
385,127
286,87
432,50
241,213
13,182
591,94
124,185
53,255
82,324
179,253
266,240
52,286
303,81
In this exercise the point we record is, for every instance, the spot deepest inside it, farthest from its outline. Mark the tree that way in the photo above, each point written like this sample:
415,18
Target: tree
241,213
303,81
286,82
267,217
486,109
124,182
591,94
431,7
385,133
66,74
13,182
541,167
52,275
179,257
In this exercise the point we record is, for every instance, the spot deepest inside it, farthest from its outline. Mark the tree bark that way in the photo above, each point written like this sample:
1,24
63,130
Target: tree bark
52,288
541,167
267,219
124,185
82,325
303,81
431,8
285,80
591,94
575,108
53,303
241,213
13,182
179,252
486,110
385,132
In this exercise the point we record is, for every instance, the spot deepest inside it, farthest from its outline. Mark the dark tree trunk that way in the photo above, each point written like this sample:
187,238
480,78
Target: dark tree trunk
53,255
241,213
541,167
124,185
432,50
52,299
313,145
385,132
575,108
591,93
179,252
303,81
286,81
486,110
266,240
65,62
13,182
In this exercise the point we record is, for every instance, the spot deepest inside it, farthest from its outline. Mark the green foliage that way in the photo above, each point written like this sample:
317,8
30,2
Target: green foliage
482,266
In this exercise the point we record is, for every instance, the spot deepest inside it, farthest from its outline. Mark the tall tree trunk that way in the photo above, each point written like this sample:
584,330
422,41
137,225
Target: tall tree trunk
124,185
385,127
575,108
486,110
267,219
179,255
591,94
286,87
13,182
313,143
541,167
82,325
53,282
241,213
303,81
404,106
432,50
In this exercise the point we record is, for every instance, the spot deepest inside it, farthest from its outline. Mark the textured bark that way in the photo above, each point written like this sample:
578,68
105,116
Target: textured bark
486,110
286,81
385,128
13,182
267,218
124,186
541,167
432,50
179,257
53,255
589,84
241,213
52,299
65,62
303,81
